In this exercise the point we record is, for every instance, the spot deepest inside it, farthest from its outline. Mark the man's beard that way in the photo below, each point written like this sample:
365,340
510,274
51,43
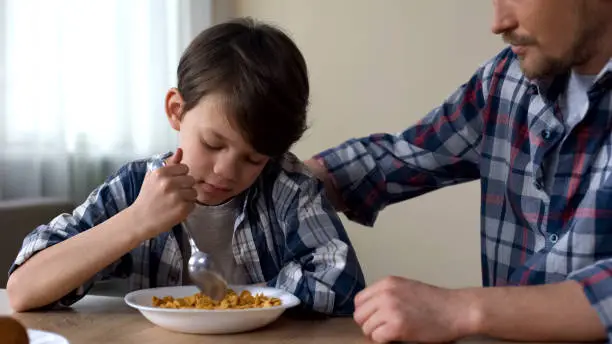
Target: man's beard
545,67
542,67
549,67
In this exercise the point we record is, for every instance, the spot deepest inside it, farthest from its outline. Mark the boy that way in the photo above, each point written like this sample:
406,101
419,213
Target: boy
239,106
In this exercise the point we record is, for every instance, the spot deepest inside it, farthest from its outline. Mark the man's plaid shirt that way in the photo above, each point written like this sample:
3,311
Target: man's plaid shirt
501,128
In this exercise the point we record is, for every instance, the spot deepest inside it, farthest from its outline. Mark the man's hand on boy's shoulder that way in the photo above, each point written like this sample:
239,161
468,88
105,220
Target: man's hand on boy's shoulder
317,168
166,197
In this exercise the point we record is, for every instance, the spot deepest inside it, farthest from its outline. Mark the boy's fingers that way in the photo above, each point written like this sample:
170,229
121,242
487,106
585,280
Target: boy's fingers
183,181
189,195
176,158
175,170
173,165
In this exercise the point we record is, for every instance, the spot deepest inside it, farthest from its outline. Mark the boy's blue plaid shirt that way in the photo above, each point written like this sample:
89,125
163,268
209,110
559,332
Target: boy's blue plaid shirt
499,128
286,234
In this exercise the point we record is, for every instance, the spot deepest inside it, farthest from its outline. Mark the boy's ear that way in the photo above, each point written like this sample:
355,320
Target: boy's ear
174,108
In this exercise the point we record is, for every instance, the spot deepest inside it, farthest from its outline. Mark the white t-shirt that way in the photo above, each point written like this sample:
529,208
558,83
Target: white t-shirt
212,228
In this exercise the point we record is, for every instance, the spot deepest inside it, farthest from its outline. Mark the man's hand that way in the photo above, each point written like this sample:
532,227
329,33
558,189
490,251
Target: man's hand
333,194
398,309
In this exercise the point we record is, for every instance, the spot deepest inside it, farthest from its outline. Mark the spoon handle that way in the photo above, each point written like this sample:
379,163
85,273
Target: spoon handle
192,243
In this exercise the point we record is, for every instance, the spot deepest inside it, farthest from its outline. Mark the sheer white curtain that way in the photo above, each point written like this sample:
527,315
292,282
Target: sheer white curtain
83,86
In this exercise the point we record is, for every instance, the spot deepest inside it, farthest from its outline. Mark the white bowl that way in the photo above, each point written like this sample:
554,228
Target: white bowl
44,337
203,321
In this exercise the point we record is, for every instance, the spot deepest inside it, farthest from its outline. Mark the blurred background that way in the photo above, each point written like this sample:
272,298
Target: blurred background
82,85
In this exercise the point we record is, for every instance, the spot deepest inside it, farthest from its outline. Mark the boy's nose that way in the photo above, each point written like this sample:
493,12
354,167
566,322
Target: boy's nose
226,168
504,19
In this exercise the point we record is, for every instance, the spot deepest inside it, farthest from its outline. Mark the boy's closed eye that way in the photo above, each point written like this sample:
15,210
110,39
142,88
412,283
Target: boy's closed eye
211,146
255,161
216,146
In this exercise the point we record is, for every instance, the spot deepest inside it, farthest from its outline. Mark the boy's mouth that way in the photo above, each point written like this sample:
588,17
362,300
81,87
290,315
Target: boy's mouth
215,187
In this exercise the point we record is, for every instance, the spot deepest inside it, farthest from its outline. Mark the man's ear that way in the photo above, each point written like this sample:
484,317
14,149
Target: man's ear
174,108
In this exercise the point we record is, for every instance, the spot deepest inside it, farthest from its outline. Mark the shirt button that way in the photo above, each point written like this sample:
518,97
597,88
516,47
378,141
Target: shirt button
546,134
553,238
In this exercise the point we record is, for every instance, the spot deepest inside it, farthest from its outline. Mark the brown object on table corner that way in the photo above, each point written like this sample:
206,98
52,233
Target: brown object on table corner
12,332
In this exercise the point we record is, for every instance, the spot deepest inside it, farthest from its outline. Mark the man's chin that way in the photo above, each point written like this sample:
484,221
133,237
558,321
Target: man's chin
529,68
532,73
529,74
535,69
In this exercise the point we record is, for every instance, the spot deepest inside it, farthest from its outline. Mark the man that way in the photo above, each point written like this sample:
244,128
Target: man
533,124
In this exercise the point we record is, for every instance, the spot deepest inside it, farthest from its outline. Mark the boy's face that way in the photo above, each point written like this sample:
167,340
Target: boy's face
218,157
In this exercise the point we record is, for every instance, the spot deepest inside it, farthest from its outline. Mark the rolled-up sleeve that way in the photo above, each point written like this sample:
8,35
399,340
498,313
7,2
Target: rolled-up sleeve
596,281
102,203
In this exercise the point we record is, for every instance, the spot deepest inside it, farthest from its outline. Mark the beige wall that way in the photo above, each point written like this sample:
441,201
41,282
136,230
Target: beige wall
380,66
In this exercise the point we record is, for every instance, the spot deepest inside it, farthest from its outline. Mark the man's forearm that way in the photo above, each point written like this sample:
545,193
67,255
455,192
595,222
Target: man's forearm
553,312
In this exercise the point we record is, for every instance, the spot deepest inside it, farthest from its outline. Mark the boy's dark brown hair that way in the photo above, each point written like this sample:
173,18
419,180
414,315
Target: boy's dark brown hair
261,74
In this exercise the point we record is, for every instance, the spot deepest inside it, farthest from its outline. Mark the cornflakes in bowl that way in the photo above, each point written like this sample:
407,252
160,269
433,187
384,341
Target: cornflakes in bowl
232,300
185,309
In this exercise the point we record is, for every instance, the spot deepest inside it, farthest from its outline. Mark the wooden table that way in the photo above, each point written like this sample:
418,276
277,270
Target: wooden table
102,319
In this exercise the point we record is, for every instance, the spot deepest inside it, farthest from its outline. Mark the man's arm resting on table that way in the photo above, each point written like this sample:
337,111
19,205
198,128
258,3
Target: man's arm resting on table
400,309
552,312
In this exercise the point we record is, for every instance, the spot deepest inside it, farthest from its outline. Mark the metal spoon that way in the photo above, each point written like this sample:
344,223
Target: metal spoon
204,272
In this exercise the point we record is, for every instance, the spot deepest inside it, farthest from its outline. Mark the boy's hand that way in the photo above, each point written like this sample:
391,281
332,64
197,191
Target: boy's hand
166,198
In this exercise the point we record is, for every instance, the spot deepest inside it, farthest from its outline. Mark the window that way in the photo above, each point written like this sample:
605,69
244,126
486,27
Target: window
82,87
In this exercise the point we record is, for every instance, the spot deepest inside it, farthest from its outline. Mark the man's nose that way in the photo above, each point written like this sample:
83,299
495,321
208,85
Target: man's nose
504,19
